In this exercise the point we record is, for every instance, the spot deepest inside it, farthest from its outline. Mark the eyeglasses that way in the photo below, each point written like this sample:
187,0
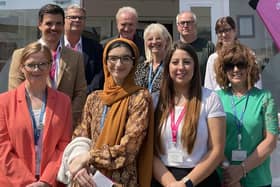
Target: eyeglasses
186,23
123,59
239,65
76,17
225,30
41,66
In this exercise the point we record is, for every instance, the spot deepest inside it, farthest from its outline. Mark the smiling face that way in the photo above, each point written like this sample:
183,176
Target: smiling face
119,63
237,73
36,76
181,68
74,20
126,25
51,27
155,43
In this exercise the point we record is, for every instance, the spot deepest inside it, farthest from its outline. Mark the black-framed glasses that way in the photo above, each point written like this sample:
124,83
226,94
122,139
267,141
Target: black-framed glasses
225,30
76,17
239,65
122,59
41,66
186,23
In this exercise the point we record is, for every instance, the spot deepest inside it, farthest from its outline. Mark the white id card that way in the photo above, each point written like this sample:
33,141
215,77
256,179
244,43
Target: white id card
175,157
238,155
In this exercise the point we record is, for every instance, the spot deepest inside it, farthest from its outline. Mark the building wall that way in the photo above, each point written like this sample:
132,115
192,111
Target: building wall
101,14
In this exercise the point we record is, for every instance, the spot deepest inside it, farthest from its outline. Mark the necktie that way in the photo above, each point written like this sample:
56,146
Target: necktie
53,68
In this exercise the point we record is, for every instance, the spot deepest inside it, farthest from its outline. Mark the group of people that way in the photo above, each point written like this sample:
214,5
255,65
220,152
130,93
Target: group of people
134,111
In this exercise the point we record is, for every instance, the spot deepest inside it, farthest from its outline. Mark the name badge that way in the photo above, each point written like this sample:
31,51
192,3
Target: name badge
175,157
238,155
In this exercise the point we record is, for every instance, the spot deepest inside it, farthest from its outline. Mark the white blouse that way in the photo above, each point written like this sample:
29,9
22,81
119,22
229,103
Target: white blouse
211,107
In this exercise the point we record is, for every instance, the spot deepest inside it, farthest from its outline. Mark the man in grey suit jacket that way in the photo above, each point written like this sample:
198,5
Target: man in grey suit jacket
68,68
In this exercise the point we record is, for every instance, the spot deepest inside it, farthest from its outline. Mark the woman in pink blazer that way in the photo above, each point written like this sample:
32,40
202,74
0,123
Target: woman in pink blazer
35,124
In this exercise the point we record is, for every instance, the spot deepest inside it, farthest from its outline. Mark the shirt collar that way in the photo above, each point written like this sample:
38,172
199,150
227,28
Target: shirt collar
77,46
59,47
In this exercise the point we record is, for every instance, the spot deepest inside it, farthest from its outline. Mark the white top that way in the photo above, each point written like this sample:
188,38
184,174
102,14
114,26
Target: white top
210,75
38,148
211,107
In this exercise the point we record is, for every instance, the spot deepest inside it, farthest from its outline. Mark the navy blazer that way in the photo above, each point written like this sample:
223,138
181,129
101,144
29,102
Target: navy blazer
92,53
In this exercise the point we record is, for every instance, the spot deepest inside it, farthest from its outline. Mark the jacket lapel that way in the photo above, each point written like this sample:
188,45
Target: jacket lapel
62,64
23,108
49,112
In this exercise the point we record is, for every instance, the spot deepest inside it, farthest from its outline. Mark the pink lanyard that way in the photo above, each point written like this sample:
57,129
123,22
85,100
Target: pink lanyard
53,67
175,126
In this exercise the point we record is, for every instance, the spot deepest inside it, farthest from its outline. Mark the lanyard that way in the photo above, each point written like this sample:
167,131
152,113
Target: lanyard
239,121
37,131
150,79
105,110
175,125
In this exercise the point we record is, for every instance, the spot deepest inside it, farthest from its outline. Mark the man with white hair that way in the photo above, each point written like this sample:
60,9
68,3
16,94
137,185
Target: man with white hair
75,17
187,27
127,19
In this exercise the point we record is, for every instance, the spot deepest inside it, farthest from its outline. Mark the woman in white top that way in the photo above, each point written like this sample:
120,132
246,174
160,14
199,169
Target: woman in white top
226,32
190,125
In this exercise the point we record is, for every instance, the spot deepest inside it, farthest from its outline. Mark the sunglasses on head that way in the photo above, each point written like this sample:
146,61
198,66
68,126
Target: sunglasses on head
239,65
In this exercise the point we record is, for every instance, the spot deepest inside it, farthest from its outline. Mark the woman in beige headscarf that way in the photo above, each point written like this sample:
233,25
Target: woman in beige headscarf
119,122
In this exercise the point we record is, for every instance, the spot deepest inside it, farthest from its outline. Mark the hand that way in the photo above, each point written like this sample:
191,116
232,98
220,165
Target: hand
232,174
83,178
38,184
78,163
176,184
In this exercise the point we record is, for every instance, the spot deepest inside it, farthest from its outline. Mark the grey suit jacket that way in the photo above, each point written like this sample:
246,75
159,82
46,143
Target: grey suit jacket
71,78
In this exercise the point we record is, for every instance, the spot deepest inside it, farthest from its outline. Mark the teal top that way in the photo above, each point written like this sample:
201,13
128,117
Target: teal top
260,115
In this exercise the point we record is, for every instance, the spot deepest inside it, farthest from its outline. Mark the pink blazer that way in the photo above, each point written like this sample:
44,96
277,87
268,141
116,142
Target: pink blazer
17,150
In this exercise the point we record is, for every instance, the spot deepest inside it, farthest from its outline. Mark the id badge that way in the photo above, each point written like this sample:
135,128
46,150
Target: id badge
175,156
238,155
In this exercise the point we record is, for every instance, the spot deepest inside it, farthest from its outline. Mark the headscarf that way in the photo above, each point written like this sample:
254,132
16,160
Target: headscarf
117,98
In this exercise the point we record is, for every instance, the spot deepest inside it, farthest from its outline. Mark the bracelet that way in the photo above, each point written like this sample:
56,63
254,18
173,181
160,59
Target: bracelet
243,166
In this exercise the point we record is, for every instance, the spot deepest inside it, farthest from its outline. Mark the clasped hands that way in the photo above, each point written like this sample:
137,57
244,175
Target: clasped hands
77,168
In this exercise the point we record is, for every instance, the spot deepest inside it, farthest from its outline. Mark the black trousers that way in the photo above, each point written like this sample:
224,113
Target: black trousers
212,180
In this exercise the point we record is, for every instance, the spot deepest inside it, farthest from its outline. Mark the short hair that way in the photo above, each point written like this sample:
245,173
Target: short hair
126,9
33,48
233,54
75,6
164,34
186,11
50,9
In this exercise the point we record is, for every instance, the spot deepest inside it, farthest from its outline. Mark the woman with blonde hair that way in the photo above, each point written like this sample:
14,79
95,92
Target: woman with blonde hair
35,124
157,44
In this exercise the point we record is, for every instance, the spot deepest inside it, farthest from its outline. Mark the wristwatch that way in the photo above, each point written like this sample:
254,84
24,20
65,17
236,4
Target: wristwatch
188,182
